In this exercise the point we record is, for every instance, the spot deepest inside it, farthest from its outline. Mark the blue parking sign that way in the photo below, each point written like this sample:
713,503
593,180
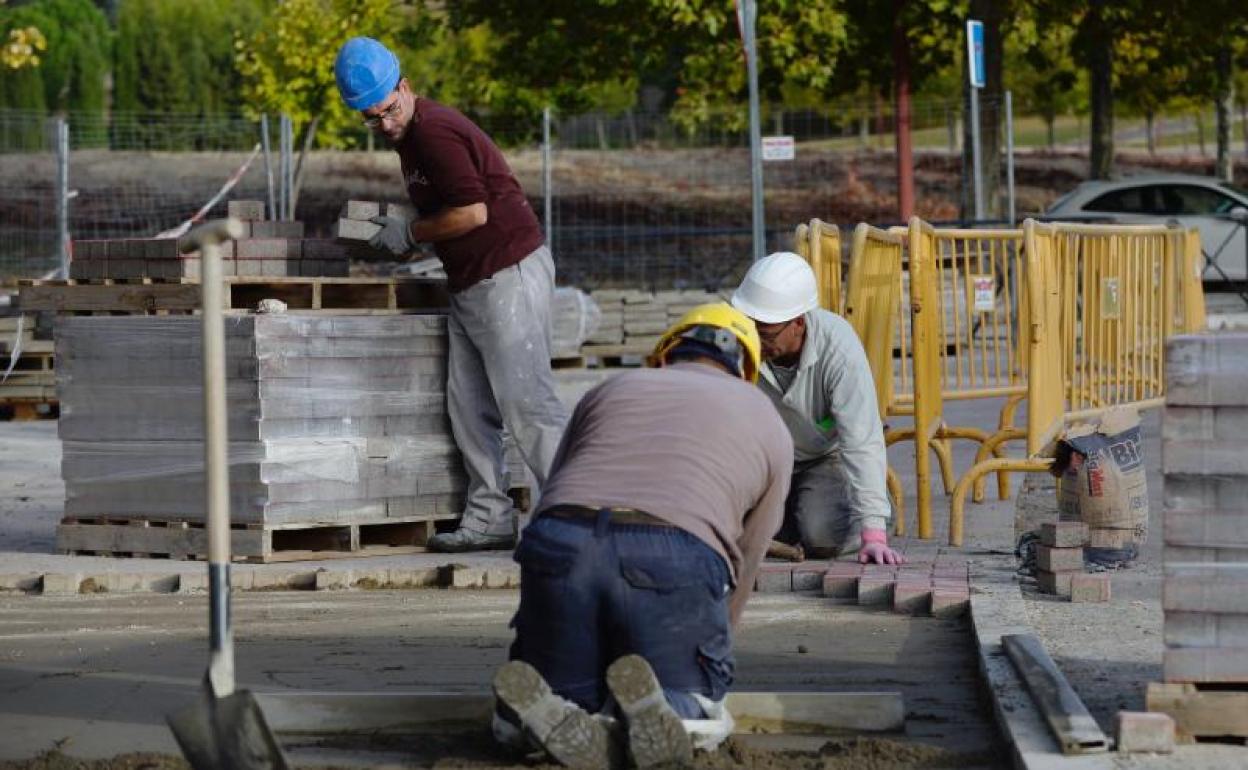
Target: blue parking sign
975,52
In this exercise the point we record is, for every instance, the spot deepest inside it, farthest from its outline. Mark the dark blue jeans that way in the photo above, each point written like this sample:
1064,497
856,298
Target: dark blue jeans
592,591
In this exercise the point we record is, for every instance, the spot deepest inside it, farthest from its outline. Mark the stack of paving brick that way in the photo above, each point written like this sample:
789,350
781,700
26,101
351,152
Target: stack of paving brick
332,419
266,249
1059,556
574,318
1205,594
637,319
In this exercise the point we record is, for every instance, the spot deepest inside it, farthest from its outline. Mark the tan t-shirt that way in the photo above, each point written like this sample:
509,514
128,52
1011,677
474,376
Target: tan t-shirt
689,444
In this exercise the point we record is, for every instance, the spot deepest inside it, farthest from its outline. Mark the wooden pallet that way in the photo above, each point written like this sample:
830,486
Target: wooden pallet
327,296
176,539
1203,712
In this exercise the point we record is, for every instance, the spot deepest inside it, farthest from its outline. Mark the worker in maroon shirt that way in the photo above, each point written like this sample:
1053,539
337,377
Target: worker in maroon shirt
500,274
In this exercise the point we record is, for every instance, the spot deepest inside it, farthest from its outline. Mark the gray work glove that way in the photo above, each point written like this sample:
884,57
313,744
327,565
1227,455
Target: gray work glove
395,235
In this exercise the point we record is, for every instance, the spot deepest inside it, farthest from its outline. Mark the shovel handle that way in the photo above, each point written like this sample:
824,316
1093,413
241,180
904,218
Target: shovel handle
207,240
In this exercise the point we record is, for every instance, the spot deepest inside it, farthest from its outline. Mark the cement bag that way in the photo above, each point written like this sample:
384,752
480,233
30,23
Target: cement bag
1101,467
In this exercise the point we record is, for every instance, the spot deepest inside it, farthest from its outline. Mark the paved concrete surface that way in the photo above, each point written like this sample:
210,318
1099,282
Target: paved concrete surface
101,669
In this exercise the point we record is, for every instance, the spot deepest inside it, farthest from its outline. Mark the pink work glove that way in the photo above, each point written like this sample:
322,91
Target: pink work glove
875,549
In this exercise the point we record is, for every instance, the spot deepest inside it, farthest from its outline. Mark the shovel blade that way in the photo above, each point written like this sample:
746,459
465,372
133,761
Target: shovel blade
228,732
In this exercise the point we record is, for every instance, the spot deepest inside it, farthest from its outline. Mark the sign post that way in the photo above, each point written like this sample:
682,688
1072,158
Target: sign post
975,71
747,17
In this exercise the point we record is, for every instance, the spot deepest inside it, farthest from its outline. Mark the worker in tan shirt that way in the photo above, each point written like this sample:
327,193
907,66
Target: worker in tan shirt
664,495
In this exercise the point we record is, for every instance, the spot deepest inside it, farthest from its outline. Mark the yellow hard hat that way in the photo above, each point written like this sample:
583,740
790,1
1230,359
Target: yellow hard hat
719,315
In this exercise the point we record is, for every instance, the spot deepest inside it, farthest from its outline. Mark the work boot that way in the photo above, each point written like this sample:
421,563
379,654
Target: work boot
462,540
656,735
571,737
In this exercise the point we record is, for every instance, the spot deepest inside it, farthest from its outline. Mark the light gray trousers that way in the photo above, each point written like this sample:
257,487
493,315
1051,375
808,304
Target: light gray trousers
499,376
818,512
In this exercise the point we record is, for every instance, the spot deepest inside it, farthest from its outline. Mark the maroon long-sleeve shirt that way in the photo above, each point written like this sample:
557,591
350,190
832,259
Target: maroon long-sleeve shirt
689,444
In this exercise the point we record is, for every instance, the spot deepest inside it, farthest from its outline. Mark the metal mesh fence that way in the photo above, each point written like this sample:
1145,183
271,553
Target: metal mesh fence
634,199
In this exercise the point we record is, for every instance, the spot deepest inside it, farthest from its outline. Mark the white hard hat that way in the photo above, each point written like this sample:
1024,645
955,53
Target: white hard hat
777,288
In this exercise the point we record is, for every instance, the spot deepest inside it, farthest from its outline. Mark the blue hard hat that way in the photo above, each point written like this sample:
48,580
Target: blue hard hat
366,71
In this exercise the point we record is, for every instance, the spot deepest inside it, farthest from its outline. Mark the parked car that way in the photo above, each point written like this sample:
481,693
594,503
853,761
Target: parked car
1218,209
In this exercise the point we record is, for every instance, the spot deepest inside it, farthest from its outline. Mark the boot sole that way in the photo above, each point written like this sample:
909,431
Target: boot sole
656,735
570,736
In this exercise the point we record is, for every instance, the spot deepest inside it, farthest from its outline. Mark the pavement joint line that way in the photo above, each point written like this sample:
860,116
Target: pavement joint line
996,610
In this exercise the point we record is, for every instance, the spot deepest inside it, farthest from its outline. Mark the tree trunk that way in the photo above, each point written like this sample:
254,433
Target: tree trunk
901,79
1101,78
1150,132
1224,77
991,100
1243,123
309,137
1050,130
1200,131
601,129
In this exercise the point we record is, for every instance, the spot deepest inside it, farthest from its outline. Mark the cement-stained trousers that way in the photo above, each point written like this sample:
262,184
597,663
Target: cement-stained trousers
498,374
818,512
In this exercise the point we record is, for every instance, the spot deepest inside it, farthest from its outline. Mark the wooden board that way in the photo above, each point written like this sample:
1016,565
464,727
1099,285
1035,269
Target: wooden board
189,540
794,713
393,295
1200,711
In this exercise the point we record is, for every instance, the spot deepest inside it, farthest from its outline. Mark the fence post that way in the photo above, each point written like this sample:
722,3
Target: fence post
1009,152
547,195
747,16
268,164
61,129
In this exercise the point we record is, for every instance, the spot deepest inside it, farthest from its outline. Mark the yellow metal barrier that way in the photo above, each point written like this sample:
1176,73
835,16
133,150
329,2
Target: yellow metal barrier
1191,295
1100,302
819,243
872,299
1042,319
938,357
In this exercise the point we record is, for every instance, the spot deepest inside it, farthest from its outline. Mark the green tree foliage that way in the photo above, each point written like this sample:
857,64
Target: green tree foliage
1040,71
176,58
71,70
577,54
287,62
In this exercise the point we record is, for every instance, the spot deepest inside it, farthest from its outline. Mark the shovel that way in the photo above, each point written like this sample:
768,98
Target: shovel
225,727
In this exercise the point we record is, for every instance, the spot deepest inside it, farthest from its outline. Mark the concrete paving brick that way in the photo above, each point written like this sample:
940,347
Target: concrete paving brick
277,229
503,577
875,590
354,230
1063,534
840,586
809,577
1207,369
161,248
61,583
1143,731
1206,529
241,580
248,211
1090,587
326,248
1205,629
948,602
1059,559
1054,582
267,248
333,579
193,582
774,578
280,267
361,210
1205,664
913,598
460,576
1214,587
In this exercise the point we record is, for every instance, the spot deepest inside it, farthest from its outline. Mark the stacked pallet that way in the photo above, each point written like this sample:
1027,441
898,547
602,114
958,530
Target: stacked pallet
632,321
267,248
27,380
1205,594
337,427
